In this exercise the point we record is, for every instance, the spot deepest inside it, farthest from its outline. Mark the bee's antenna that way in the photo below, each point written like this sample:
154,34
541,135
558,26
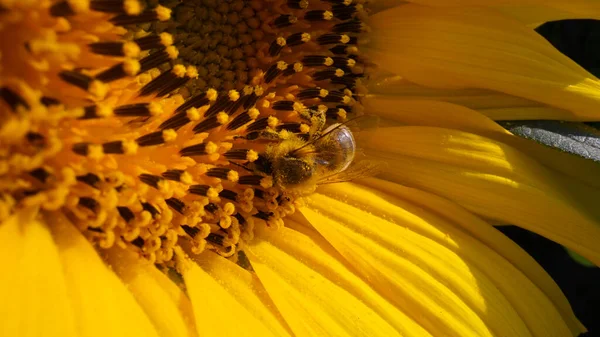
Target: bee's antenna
240,165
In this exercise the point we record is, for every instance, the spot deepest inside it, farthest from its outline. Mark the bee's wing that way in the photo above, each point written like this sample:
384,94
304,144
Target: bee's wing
360,169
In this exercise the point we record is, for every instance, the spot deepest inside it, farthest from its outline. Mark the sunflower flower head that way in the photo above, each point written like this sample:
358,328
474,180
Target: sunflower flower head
154,156
142,121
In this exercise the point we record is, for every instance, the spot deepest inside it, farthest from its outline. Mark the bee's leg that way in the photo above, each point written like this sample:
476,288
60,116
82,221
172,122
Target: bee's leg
317,120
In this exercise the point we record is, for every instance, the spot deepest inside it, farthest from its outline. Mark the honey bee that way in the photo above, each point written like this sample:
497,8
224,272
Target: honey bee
298,165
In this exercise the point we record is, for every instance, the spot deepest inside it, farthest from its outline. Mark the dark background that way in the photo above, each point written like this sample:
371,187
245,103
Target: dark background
580,40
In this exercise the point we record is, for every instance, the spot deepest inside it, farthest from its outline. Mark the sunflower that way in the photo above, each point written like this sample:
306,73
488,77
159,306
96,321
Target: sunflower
142,194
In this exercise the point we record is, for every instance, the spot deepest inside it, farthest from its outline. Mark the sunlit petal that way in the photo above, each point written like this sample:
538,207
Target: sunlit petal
215,306
165,304
317,294
396,243
441,114
247,289
103,306
476,47
33,293
494,180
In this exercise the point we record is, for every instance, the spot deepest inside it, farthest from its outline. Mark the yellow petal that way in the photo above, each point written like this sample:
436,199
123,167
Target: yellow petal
575,6
33,292
165,304
493,104
317,294
535,15
432,267
218,312
248,291
477,47
494,180
487,235
452,116
102,304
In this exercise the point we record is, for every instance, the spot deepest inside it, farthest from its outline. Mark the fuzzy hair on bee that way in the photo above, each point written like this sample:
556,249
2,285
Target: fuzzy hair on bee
298,165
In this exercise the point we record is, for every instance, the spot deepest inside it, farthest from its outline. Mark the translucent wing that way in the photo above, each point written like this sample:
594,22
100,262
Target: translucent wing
360,169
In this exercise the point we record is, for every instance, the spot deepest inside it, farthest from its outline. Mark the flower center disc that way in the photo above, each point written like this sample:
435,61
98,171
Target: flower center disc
156,126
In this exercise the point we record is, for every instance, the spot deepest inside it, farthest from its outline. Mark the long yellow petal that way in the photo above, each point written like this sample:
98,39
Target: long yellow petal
33,292
494,180
493,104
590,7
165,304
476,47
418,257
452,116
218,313
317,294
103,306
248,291
487,235
535,15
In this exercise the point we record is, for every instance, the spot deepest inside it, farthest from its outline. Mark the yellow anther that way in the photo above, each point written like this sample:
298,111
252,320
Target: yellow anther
186,178
79,6
104,110
298,67
253,113
163,13
172,52
248,90
155,108
272,122
266,182
299,107
130,147
191,72
193,114
169,135
98,89
131,67
131,49
233,95
179,70
211,147
327,15
166,39
339,72
345,38
305,37
222,117
132,7
212,193
251,156
259,90
95,152
280,41
233,176
212,94
281,65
